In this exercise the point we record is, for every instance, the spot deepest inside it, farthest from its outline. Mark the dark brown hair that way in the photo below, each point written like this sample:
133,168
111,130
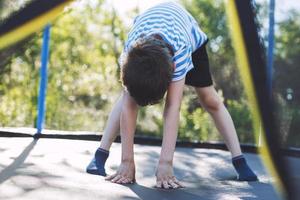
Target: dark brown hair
147,71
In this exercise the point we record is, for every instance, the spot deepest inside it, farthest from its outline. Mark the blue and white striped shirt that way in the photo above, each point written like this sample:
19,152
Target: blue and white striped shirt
177,27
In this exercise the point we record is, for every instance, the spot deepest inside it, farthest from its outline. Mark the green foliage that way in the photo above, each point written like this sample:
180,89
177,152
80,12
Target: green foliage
197,126
242,118
286,77
83,76
293,136
287,59
212,20
18,88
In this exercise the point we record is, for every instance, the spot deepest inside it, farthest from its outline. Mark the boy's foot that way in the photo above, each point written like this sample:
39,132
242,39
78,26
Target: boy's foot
97,164
243,170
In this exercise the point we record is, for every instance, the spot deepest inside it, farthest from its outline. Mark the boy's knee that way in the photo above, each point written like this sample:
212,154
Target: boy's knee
211,103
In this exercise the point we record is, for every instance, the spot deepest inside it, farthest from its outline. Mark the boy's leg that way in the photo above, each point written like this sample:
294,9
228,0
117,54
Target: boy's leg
212,103
111,131
112,127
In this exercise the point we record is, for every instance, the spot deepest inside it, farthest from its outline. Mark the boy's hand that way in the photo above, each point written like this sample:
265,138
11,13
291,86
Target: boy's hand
165,178
125,173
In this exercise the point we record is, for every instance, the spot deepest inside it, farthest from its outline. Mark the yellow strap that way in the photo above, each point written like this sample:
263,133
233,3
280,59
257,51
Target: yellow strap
31,26
242,59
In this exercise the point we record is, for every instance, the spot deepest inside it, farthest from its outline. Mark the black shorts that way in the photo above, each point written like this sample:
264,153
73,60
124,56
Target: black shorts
200,75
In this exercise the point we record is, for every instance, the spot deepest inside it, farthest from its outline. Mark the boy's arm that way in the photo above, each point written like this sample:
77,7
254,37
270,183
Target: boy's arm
164,174
127,126
126,171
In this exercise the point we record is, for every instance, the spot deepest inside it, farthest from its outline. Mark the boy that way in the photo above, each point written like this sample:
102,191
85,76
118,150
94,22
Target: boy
165,50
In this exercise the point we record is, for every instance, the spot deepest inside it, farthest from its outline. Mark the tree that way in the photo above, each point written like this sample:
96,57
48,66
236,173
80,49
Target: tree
286,77
212,20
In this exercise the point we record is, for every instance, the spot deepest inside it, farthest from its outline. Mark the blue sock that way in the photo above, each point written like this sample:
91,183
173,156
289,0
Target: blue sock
97,164
243,170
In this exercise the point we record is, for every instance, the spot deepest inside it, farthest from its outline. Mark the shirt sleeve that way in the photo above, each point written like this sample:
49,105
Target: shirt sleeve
198,35
183,63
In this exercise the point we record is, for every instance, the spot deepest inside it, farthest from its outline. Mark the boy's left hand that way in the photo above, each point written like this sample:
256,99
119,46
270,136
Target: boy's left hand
165,178
124,175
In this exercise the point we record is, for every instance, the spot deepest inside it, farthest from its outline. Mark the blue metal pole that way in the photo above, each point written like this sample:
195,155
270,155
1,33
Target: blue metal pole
43,80
270,45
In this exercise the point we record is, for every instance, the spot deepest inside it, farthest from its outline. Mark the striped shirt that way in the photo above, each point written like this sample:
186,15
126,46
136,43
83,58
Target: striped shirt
176,26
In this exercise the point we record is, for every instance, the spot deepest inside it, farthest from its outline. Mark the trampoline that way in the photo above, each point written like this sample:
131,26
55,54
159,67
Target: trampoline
34,169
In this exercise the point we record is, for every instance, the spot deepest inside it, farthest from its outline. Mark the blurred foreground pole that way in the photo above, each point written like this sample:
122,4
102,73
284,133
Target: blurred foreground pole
43,80
271,45
270,54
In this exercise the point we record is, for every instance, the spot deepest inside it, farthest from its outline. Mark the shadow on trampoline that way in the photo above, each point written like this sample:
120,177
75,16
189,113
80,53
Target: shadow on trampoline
148,193
9,171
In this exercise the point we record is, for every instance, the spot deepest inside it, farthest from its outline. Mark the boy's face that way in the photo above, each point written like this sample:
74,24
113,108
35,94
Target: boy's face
148,70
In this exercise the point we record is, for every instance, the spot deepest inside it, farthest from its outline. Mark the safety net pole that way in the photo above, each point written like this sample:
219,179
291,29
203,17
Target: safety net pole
271,44
43,80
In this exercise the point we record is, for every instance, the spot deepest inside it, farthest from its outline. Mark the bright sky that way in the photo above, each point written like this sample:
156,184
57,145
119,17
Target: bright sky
123,6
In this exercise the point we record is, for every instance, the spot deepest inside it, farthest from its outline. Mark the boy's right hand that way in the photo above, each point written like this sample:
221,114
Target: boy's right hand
125,173
165,178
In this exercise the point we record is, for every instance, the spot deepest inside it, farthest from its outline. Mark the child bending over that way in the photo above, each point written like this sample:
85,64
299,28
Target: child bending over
164,52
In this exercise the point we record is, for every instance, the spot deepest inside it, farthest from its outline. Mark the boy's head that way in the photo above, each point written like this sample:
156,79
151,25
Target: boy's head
147,71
